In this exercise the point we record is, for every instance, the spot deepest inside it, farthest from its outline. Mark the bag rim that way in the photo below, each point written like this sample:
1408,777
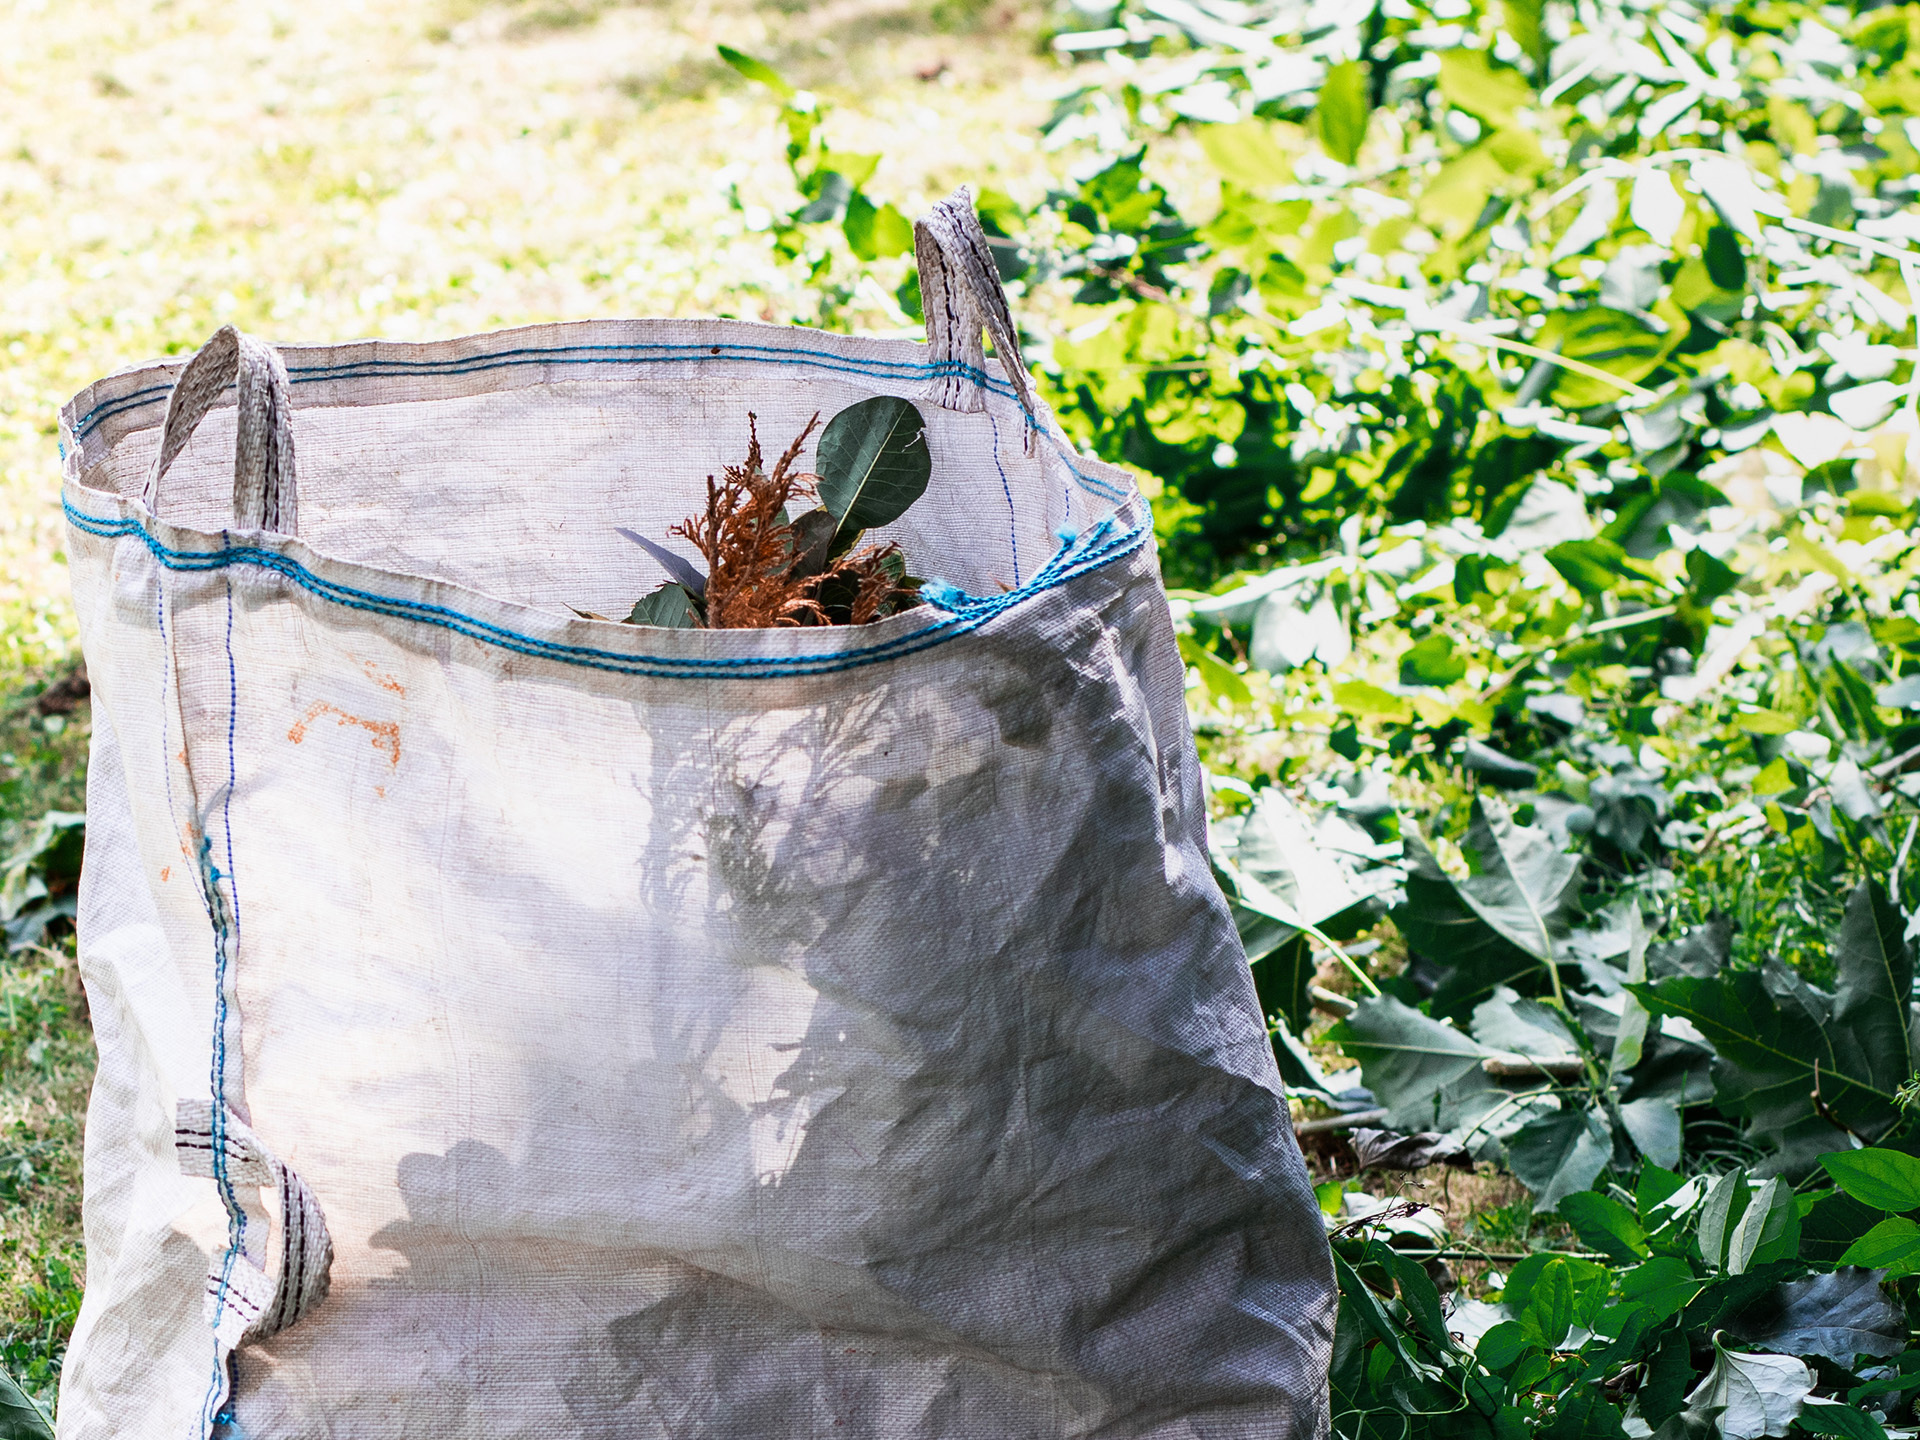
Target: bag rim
333,374
638,650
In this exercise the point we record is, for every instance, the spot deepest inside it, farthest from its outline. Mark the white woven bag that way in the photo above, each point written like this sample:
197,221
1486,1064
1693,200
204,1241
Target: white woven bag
519,1025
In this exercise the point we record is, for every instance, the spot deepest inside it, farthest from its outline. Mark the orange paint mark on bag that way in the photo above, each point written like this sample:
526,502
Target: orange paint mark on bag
384,681
166,873
386,734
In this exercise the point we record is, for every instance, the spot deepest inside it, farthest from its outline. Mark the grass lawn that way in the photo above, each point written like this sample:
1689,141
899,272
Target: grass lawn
326,172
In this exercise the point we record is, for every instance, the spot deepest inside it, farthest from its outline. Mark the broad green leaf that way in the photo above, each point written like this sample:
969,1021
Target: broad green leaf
1560,1154
1426,1075
1543,514
1874,977
756,70
1282,972
679,569
1884,1179
1471,82
1726,1202
813,533
1355,1292
1523,22
670,607
855,169
1656,1185
1591,1283
1476,959
1711,578
1281,881
1497,768
1656,207
1774,778
1630,1038
1822,1415
1340,118
1298,1068
1664,1284
1525,1027
1893,1246
1459,193
1220,680
1756,1395
1904,1375
1502,1345
873,463
1369,701
1604,1224
20,1418
1419,1296
1840,1315
1524,886
1831,1223
1669,1374
1583,1412
1549,1311
1246,154
1432,662
1591,566
1652,1122
876,231
1623,345
1902,694
1767,1229
1775,1036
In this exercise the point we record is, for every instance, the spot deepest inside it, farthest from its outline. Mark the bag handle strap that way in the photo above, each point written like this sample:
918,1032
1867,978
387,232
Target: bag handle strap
264,490
249,1297
961,294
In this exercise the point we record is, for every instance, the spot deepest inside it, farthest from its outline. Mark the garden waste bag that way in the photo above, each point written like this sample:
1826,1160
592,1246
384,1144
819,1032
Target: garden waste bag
515,1024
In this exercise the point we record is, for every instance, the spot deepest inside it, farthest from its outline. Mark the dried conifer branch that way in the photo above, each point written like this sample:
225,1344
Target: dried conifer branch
877,582
749,549
755,558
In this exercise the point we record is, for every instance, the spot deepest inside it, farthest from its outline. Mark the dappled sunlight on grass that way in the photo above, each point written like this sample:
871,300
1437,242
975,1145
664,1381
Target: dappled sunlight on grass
330,172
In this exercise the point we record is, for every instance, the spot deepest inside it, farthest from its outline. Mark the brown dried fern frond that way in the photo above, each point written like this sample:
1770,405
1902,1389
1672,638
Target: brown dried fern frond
750,551
879,575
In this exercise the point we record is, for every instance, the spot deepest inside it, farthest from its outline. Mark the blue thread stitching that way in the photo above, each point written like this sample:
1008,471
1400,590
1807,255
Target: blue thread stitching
1095,548
592,355
1013,515
581,355
233,771
211,1398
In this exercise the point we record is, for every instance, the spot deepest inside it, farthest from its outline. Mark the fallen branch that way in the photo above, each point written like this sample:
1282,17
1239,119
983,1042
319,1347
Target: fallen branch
1523,1067
1339,1122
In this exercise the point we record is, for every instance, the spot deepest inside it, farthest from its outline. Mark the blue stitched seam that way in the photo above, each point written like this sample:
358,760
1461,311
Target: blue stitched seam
580,355
1013,515
1095,548
226,935
604,354
210,1399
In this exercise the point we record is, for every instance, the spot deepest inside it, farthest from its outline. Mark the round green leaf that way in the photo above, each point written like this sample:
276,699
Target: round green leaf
873,463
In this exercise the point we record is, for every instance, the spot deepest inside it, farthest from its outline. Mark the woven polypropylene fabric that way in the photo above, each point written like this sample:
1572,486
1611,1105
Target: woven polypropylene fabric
825,1033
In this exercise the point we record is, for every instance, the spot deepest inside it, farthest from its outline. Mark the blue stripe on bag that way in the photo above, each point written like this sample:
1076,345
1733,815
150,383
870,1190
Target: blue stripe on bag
635,354
1097,546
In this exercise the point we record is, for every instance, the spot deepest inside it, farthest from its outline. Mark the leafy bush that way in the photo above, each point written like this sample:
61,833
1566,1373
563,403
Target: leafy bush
1532,437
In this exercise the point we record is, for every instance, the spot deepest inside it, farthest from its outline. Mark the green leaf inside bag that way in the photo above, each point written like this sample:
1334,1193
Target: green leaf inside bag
873,463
